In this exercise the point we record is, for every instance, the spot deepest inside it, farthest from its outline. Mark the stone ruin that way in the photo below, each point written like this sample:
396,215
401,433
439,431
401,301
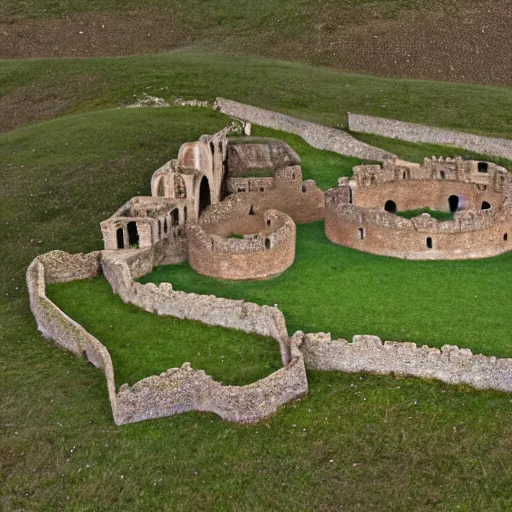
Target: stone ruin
229,206
360,213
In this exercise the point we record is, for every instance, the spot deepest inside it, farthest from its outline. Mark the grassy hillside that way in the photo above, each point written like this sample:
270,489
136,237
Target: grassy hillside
359,442
32,90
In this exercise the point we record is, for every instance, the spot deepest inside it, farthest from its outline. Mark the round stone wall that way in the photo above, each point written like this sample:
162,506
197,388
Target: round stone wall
356,213
231,241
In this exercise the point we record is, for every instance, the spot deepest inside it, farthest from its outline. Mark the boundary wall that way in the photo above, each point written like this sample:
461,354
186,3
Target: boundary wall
449,364
317,135
429,134
178,389
184,389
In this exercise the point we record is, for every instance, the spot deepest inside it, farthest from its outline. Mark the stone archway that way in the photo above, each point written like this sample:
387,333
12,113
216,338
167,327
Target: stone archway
390,206
204,194
453,202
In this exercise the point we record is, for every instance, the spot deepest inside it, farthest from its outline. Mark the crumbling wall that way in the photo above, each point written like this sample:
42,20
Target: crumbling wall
429,134
317,135
58,266
266,253
211,310
449,364
184,389
178,389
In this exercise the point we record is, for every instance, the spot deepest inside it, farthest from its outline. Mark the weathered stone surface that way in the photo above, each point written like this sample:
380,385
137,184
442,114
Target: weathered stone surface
430,134
178,389
317,135
356,216
449,364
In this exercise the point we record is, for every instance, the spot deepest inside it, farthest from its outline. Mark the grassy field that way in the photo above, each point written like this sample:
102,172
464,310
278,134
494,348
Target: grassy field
394,444
143,344
44,88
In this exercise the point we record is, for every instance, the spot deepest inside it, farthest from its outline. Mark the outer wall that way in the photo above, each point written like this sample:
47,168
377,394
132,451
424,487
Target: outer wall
412,244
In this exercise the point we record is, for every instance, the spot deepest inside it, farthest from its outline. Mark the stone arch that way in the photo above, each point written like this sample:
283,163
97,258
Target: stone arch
390,206
453,202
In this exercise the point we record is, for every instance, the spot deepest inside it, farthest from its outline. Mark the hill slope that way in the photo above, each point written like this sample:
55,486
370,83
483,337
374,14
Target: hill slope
462,40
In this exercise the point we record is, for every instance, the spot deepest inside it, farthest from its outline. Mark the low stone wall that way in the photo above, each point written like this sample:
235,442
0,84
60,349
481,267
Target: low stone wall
58,266
449,364
209,309
178,389
431,135
185,389
317,135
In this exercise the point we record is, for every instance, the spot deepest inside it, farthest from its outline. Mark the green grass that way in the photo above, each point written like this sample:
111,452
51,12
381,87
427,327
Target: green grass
420,445
436,214
318,94
143,344
335,289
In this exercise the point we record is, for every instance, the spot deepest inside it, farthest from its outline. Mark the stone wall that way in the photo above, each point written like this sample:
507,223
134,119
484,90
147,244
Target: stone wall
57,267
261,254
211,310
185,389
429,134
449,364
356,216
317,135
178,389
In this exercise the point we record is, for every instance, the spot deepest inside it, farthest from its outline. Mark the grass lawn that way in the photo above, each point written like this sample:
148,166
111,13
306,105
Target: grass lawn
44,88
335,289
356,442
143,344
436,214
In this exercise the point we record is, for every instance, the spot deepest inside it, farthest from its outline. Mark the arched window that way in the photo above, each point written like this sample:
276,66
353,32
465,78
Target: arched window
133,235
267,243
204,194
429,243
120,238
175,217
486,205
161,188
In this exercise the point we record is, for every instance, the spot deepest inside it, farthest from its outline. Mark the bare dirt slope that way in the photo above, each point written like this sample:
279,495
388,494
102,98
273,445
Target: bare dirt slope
463,40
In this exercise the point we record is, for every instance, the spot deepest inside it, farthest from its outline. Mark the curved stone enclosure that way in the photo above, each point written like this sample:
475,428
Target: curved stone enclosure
479,194
266,247
178,389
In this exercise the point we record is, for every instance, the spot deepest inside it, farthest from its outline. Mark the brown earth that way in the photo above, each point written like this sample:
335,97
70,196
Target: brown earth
471,44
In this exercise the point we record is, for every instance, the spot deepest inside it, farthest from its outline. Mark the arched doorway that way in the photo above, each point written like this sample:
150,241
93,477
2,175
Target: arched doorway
453,202
390,206
486,205
204,194
133,235
120,238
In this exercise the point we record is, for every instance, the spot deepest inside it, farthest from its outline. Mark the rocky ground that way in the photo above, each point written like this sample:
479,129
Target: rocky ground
462,41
